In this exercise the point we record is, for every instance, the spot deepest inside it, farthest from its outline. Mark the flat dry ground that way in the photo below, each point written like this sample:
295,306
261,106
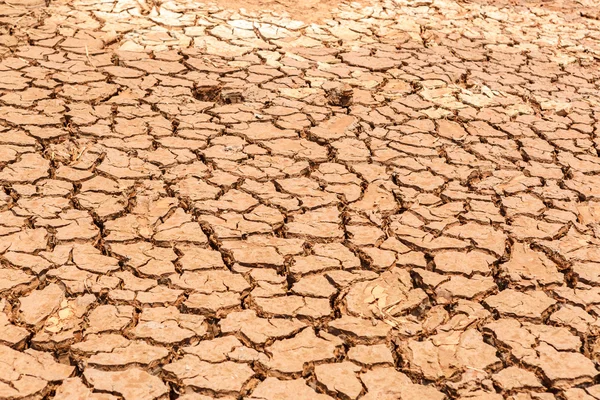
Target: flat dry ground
299,200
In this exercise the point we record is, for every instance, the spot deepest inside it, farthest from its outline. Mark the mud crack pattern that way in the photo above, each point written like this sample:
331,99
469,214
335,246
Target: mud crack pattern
399,202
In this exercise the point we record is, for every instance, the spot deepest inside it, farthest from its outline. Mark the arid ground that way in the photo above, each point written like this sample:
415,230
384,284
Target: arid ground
394,200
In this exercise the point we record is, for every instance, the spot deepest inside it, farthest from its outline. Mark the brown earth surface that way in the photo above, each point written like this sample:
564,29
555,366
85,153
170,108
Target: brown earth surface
299,200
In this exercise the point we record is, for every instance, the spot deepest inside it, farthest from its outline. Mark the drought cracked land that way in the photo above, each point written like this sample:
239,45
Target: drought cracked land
395,200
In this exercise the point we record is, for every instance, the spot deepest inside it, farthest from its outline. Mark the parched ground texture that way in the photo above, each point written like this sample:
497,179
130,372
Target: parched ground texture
398,200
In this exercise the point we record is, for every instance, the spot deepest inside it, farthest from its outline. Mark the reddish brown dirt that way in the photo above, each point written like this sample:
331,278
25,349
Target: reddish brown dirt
566,7
299,201
309,10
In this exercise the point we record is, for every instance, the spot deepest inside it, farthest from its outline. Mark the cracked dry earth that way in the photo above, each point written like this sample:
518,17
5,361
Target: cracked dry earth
395,201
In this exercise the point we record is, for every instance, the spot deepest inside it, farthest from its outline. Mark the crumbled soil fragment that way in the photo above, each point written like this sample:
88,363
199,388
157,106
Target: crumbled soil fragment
131,384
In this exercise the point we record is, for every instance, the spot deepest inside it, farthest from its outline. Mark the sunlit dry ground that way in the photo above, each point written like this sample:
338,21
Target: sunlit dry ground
398,200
